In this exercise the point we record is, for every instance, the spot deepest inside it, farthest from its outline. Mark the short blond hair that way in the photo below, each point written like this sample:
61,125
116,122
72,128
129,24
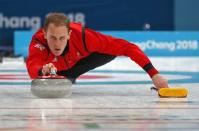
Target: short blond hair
58,19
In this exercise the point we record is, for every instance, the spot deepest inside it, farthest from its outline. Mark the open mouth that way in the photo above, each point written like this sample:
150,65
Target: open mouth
57,49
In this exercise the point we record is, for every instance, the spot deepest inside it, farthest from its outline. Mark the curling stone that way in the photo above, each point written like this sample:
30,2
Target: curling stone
51,86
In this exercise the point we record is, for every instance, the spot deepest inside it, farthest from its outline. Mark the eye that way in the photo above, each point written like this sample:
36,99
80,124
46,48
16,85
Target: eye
52,38
62,38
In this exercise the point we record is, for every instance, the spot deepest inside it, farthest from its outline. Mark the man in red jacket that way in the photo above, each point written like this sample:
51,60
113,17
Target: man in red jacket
72,50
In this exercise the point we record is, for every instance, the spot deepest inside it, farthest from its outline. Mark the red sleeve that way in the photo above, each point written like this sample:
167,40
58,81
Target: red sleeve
36,58
97,42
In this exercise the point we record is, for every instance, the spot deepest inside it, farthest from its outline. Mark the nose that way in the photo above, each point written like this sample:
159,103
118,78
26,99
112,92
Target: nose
57,43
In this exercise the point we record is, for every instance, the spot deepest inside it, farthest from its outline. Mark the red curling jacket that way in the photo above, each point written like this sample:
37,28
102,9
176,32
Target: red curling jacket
83,42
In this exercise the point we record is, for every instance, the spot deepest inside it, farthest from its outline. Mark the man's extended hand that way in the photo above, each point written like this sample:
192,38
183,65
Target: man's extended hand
47,69
159,81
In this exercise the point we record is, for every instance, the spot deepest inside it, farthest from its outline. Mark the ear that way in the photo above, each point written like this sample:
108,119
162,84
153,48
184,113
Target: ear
70,31
45,34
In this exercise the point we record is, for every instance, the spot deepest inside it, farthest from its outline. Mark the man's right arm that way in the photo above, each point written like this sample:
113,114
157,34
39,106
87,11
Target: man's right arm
36,58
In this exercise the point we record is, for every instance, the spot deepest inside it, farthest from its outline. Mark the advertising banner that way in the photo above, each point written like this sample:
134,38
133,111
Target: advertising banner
97,14
152,43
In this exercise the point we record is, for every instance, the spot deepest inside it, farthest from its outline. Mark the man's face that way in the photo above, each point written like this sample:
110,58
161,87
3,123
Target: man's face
57,37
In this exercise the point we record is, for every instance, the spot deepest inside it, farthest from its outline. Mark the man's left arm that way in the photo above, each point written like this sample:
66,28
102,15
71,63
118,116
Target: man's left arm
97,42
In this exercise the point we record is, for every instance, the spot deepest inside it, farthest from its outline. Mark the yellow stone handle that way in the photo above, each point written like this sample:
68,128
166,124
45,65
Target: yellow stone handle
177,92
173,92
